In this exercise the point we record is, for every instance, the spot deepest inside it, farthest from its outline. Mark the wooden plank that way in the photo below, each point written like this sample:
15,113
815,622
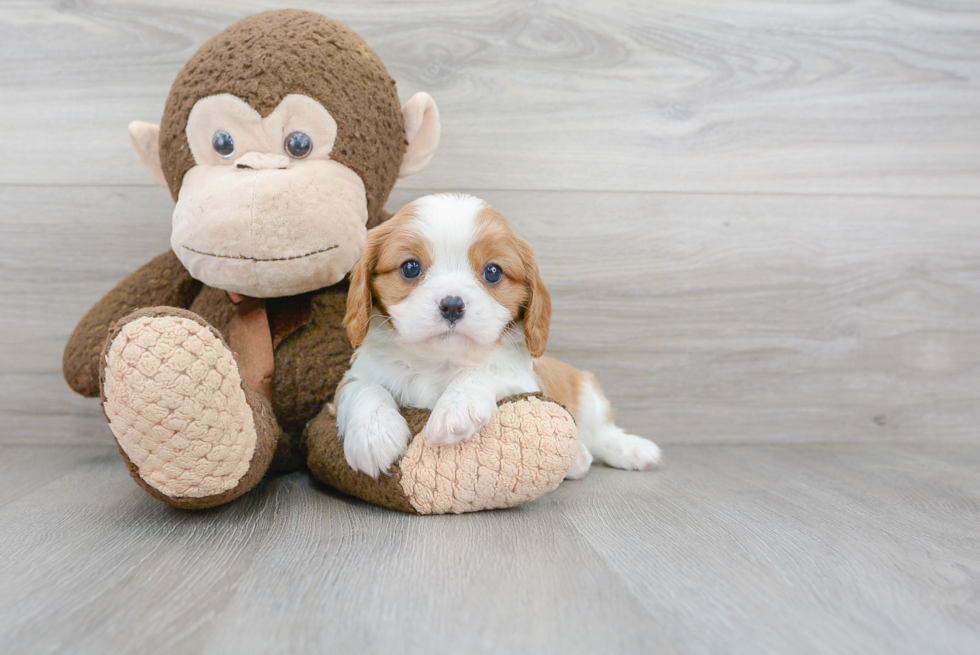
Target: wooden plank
24,470
744,549
62,249
714,318
368,580
854,98
293,569
829,549
708,318
88,551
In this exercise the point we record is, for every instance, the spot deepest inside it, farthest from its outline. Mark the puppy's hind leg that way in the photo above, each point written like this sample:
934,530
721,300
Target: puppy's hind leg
607,442
583,462
626,451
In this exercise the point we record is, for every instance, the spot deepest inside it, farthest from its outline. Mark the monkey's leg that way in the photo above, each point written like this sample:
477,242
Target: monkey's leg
161,282
192,433
523,453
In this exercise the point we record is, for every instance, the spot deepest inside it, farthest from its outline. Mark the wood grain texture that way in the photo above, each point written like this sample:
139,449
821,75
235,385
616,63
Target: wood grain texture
709,318
746,549
777,97
758,221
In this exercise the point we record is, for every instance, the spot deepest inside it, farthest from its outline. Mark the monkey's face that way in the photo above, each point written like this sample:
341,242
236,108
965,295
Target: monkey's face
279,156
265,212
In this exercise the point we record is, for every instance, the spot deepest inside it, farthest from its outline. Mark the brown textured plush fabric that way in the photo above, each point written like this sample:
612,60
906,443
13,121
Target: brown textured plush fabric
309,362
327,463
524,453
267,56
162,281
215,307
286,315
266,429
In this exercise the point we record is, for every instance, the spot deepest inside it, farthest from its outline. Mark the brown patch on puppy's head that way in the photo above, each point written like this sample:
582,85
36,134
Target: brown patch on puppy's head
401,245
270,55
377,275
520,288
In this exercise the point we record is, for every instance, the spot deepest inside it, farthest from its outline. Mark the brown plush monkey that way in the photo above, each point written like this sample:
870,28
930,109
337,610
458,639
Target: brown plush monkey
280,142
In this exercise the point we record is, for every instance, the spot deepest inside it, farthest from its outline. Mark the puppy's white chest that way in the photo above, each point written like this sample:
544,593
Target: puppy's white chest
422,389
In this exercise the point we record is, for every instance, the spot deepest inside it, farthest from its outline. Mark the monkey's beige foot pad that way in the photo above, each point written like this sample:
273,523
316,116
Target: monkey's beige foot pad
522,454
176,406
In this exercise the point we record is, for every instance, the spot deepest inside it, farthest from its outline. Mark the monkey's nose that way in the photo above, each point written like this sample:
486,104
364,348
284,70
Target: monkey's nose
451,308
262,161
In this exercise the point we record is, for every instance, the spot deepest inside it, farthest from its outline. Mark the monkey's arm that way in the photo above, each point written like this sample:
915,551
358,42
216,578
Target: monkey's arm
161,282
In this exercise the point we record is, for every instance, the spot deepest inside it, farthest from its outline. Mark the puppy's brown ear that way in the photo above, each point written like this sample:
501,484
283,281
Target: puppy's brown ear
360,296
537,316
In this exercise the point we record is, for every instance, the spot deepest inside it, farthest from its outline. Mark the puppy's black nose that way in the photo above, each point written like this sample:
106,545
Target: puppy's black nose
451,308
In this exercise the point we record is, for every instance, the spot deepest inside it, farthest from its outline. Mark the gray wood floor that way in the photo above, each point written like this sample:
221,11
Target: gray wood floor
743,549
759,222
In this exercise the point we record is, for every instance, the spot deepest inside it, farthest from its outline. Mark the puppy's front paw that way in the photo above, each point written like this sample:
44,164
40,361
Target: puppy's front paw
457,416
375,441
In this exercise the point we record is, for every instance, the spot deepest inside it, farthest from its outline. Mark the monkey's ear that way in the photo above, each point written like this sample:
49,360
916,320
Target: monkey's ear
146,143
422,132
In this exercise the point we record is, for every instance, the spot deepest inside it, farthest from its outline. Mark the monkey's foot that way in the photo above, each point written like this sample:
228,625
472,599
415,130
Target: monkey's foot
178,409
521,454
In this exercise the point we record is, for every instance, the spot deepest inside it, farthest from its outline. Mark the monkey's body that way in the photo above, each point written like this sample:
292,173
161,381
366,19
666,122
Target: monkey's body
205,396
311,354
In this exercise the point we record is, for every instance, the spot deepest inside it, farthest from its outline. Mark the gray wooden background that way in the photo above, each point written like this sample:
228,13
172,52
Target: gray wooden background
760,223
758,220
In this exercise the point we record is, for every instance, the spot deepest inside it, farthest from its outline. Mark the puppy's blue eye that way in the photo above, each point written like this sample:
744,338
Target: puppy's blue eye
492,274
411,269
223,144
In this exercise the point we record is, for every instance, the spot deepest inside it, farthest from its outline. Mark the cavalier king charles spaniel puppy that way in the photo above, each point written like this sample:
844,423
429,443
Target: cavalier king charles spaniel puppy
447,312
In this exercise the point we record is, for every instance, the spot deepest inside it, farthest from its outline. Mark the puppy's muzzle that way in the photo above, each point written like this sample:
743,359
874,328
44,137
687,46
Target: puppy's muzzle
452,308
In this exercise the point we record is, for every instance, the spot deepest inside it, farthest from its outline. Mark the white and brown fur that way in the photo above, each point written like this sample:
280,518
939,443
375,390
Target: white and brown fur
409,355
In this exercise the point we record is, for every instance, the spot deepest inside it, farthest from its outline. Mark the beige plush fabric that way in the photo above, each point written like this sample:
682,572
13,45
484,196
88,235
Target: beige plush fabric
522,454
244,231
422,129
175,403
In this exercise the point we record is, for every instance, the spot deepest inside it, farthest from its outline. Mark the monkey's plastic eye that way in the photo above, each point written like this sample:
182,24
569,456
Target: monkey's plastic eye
298,145
492,274
411,269
223,144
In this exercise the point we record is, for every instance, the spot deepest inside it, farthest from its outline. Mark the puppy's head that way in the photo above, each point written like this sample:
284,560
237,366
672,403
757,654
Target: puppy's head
451,274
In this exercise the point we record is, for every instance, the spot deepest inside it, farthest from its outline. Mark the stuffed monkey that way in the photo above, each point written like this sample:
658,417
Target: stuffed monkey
280,142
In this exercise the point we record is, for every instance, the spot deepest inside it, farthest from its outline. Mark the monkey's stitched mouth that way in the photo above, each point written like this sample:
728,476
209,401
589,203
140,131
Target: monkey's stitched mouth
260,259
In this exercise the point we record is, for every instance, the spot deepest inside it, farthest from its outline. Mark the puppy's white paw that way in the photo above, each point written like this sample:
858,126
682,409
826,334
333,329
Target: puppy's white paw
375,441
628,451
583,461
458,415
